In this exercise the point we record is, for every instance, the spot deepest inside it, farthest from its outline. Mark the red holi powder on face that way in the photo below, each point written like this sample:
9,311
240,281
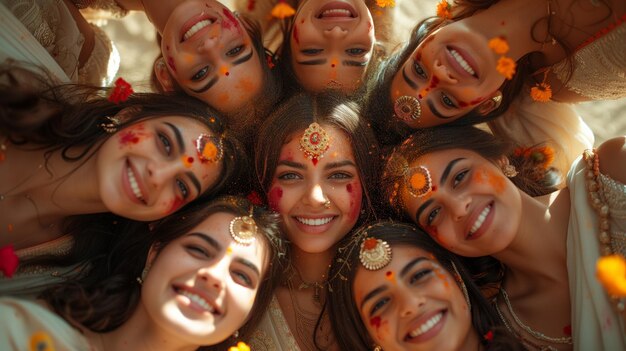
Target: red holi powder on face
231,21
170,62
349,188
432,231
434,82
356,197
176,204
273,198
375,322
296,38
128,137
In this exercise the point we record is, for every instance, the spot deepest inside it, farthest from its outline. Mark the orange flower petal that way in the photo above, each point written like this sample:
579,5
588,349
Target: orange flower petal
506,67
611,272
283,10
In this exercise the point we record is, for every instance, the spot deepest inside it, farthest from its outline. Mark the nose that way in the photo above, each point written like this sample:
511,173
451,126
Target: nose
213,277
411,302
315,196
459,206
160,173
335,33
209,42
443,72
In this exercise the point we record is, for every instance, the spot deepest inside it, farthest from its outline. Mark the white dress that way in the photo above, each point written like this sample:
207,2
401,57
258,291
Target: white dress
596,324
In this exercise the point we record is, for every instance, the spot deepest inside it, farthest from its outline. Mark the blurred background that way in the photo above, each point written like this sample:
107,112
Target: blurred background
134,37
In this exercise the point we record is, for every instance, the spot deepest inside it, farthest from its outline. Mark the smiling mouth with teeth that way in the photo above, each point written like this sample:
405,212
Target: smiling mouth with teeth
314,221
461,61
480,220
134,186
197,27
197,299
426,326
330,13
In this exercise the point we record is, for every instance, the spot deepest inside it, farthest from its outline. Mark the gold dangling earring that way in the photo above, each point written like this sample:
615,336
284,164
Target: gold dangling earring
110,127
377,348
144,273
509,170
462,285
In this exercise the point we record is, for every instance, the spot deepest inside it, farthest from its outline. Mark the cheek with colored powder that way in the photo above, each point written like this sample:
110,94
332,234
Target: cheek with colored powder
356,198
375,322
274,197
486,176
132,135
176,204
231,22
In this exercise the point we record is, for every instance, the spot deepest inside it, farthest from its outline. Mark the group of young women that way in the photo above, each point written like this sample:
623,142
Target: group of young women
332,195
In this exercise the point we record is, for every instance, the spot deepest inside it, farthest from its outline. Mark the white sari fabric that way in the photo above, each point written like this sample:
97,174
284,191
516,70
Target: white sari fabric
596,323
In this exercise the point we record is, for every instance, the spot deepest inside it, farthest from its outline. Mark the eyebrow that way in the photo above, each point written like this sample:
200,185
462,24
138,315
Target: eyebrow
371,294
410,265
179,137
436,112
249,264
339,164
408,80
212,242
352,63
313,62
444,177
292,164
214,80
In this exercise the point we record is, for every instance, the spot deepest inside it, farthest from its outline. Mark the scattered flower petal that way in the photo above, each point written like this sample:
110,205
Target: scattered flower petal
506,67
282,10
121,92
444,10
386,3
541,92
8,260
499,45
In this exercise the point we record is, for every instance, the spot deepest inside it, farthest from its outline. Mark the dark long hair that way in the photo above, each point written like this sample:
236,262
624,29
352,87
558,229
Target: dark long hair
108,296
347,324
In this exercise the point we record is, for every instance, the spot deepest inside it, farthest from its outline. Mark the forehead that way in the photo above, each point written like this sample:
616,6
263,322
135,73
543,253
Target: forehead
217,226
339,146
401,256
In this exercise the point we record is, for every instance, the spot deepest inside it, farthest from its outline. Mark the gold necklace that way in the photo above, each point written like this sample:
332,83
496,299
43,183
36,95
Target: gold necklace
317,286
537,335
305,321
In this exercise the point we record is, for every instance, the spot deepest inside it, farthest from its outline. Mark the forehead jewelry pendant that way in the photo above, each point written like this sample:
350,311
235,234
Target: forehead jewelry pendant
407,108
243,230
375,254
210,148
314,142
418,181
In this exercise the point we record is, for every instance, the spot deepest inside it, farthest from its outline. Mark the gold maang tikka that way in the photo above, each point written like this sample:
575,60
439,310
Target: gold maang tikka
243,230
374,254
407,108
418,181
314,142
210,148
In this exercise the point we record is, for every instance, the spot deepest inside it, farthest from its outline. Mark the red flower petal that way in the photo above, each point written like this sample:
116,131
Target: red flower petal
8,260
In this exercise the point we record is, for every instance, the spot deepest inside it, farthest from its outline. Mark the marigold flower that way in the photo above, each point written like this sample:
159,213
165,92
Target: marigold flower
241,346
506,67
41,341
543,155
499,45
443,10
121,92
541,92
282,10
611,272
386,3
8,261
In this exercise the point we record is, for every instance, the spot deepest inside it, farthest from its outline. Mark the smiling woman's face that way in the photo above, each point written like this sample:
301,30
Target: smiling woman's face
413,304
331,44
209,53
451,72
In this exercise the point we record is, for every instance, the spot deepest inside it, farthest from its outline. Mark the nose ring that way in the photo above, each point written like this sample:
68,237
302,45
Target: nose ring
327,203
